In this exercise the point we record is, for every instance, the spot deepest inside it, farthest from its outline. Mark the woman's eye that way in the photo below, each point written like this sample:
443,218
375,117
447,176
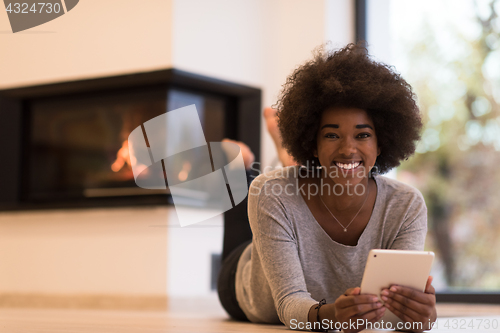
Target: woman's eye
330,135
364,135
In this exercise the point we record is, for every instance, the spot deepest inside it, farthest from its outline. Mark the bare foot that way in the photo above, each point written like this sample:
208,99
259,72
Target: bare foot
272,124
272,128
248,156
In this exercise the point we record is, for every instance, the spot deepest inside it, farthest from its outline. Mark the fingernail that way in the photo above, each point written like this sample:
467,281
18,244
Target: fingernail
374,299
384,298
379,304
385,292
393,289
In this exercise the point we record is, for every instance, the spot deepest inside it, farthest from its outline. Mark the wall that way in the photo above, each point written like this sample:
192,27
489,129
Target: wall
99,253
132,251
95,38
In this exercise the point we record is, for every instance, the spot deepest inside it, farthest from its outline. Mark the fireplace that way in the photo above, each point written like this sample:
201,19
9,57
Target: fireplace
65,144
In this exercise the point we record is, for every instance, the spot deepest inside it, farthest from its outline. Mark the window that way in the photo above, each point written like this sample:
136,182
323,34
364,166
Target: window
449,51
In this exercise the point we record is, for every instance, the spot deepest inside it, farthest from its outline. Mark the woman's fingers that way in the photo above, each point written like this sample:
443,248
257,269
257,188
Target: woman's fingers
410,293
360,309
410,304
352,291
372,316
402,311
353,300
429,289
353,305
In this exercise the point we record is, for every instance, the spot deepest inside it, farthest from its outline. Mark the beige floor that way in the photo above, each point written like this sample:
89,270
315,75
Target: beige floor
183,316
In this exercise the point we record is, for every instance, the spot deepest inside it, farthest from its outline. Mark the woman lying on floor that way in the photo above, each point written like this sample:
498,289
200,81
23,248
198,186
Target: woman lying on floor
313,227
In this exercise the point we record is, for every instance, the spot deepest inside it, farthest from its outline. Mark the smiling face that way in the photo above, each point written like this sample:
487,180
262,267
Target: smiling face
347,144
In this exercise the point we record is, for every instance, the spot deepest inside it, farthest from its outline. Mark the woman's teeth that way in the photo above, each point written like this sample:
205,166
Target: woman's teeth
347,166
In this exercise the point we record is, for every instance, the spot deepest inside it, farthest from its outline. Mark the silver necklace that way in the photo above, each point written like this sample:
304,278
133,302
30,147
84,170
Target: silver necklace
345,228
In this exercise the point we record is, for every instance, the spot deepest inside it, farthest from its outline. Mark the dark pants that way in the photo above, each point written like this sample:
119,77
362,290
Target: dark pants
237,235
226,283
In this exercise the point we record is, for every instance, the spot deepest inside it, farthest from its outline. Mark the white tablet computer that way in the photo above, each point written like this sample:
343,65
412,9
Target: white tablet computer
387,267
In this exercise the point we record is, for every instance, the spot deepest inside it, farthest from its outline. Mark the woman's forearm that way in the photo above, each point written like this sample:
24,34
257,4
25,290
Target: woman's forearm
326,311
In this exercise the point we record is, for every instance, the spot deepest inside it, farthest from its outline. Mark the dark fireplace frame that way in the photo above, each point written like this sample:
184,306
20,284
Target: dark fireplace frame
243,117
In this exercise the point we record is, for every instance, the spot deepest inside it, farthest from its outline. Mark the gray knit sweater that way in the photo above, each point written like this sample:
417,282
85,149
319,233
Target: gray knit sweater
292,263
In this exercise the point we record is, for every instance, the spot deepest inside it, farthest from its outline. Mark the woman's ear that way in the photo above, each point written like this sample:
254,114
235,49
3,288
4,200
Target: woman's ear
378,151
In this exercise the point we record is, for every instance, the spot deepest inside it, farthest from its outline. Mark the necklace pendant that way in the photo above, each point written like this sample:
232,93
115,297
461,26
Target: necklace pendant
345,230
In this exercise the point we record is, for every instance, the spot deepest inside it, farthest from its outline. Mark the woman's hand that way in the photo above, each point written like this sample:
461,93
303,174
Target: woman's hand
412,305
352,306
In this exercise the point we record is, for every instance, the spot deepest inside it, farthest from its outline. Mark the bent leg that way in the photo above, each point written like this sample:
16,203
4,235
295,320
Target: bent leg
226,284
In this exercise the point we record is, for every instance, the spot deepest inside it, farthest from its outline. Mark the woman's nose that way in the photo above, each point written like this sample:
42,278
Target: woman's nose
347,146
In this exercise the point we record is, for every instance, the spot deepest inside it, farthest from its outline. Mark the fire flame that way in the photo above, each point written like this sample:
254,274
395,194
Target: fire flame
122,158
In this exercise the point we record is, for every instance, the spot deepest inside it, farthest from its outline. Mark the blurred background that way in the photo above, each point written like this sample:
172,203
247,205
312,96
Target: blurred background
139,257
449,51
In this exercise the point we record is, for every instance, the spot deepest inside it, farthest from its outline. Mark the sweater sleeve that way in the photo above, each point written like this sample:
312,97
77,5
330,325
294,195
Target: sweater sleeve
413,231
276,244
